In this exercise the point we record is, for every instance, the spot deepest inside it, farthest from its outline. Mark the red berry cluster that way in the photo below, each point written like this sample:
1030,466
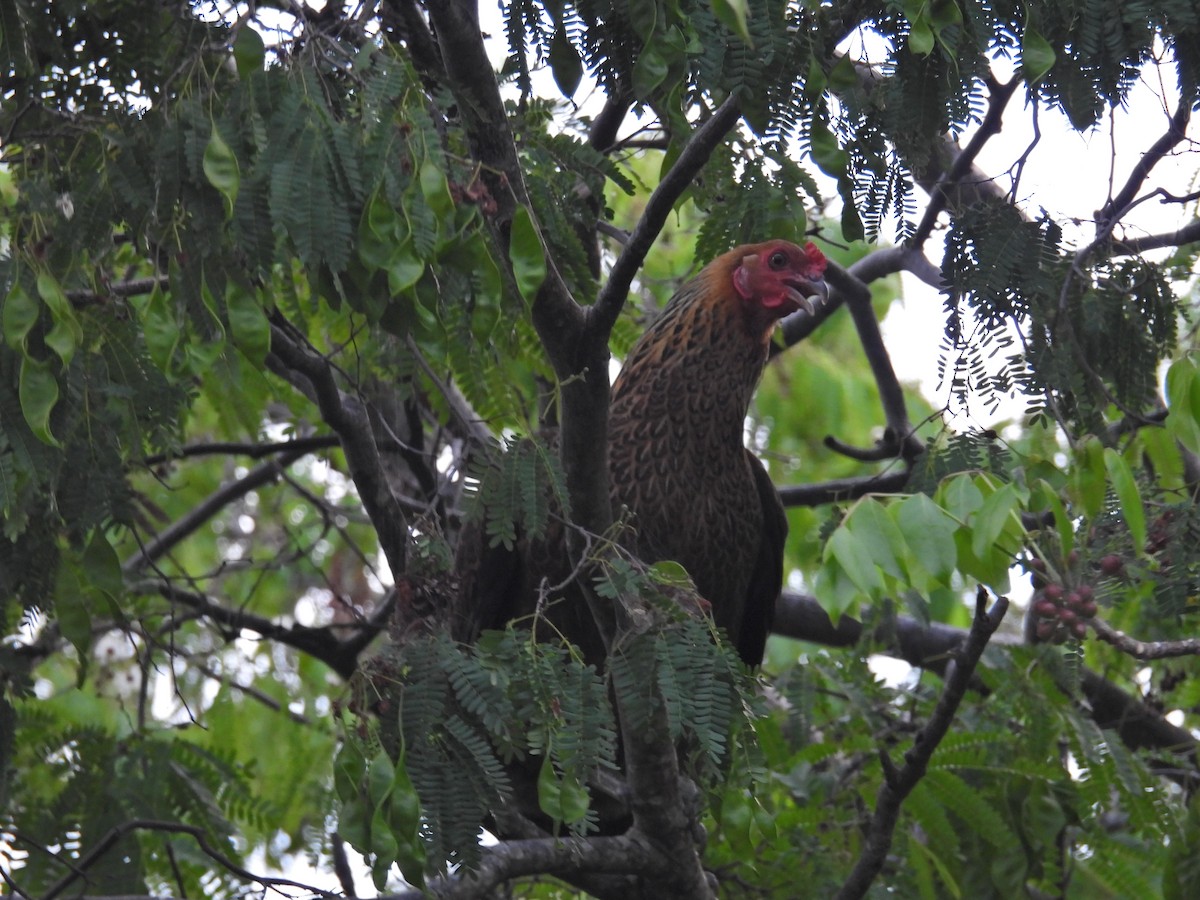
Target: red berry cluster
1062,610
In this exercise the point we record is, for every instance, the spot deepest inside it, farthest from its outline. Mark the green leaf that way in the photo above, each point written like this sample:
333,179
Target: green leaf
1088,481
929,533
733,14
1037,56
1046,496
248,324
525,252
826,152
995,515
70,608
404,270
435,189
221,168
249,51
1183,390
67,334
920,38
563,799
1128,495
161,330
875,530
20,315
565,63
649,72
855,559
960,496
38,393
101,566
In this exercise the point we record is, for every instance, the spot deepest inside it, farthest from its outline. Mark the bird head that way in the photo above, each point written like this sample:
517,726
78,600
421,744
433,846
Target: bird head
779,278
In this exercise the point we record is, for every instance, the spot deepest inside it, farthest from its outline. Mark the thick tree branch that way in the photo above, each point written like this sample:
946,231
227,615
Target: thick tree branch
132,288
1188,234
802,617
897,785
1124,200
1143,649
209,507
899,432
841,490
245,448
348,418
564,857
319,643
940,192
691,160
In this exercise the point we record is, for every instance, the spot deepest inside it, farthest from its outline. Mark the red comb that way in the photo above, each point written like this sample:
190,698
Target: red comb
815,257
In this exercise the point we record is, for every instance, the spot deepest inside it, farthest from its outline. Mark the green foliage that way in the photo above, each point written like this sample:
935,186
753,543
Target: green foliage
181,191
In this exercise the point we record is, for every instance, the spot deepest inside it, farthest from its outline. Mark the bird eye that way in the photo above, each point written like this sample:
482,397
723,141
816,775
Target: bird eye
778,260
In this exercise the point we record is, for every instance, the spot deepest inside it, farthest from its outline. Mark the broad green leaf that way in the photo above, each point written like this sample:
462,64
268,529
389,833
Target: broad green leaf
960,496
1045,496
383,846
929,533
854,556
1037,56
404,270
221,168
249,51
920,38
1088,476
1128,495
66,334
993,519
565,63
248,324
161,330
38,393
826,152
101,566
377,243
875,530
70,608
649,72
1182,393
733,15
525,252
435,189
20,315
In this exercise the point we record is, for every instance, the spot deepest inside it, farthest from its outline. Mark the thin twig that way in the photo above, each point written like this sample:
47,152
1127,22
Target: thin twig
898,783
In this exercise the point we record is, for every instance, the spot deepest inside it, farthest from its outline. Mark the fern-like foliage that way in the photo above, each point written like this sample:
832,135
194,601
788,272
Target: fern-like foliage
518,490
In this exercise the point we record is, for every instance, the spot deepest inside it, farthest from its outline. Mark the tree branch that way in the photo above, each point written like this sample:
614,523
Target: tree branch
116,833
897,785
349,420
802,617
1141,649
209,507
940,191
691,160
319,643
899,432
245,448
563,857
841,490
1124,200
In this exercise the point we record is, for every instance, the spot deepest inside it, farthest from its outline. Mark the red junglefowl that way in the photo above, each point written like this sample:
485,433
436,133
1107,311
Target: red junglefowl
677,463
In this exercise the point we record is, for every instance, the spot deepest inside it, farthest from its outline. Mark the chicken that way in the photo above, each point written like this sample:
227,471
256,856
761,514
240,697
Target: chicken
676,458
677,464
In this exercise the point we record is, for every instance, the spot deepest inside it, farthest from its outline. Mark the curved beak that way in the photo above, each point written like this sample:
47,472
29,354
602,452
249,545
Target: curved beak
801,291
